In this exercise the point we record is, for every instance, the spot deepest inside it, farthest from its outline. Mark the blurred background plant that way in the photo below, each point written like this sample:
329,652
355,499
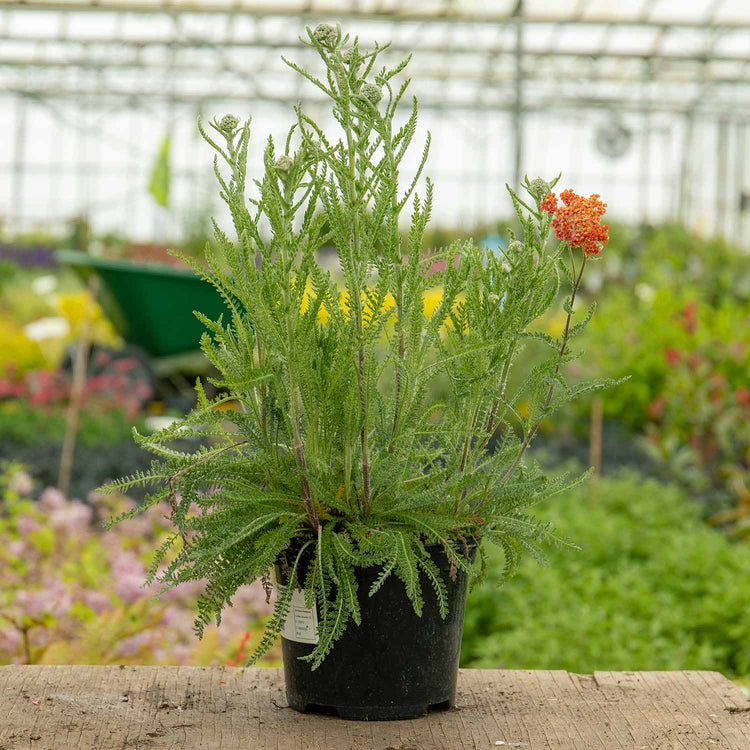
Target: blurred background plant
32,404
653,587
666,289
73,593
700,427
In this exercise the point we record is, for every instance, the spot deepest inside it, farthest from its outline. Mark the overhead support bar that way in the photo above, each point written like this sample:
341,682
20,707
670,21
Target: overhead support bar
405,13
551,103
530,51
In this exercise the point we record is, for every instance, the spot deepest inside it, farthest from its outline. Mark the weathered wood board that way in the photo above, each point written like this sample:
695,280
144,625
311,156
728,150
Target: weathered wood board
137,708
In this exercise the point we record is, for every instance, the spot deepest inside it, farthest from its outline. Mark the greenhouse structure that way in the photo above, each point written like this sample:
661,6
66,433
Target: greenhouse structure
631,94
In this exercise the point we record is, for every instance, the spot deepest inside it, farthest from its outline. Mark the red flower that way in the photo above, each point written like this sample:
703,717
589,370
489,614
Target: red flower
656,408
689,315
122,366
742,395
577,222
673,356
549,204
240,652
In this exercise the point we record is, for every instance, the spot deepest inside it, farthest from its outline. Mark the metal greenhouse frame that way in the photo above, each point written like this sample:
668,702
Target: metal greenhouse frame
644,101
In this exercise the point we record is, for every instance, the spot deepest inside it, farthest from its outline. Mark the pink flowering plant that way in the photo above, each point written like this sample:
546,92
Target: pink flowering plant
73,594
49,390
33,404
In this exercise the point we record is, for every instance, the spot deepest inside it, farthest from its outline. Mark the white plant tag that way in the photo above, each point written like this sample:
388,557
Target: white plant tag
301,623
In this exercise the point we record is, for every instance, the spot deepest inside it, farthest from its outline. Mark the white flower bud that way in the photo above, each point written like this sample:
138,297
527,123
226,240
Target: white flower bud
493,299
515,247
347,55
326,35
539,188
229,123
284,163
371,92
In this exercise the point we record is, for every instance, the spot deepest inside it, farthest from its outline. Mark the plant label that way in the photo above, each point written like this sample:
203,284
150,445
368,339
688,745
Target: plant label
301,624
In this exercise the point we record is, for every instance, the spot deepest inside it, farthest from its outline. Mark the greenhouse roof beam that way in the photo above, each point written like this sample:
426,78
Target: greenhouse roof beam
591,53
405,13
553,102
423,73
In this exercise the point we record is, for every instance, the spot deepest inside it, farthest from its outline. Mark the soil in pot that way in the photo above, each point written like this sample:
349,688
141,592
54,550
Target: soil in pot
395,665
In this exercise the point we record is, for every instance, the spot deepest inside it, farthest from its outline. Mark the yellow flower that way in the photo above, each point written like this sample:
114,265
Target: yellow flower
17,350
430,300
80,308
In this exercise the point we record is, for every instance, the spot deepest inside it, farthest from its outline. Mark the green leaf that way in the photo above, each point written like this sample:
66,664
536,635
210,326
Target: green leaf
578,327
159,181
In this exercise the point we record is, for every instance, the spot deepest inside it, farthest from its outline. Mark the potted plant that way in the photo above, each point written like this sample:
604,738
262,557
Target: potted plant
341,473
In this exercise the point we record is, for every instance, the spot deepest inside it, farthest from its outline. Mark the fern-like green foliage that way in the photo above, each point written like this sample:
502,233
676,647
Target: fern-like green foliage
337,446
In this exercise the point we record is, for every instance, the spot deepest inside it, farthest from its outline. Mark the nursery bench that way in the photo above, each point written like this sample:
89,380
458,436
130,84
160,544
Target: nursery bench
136,708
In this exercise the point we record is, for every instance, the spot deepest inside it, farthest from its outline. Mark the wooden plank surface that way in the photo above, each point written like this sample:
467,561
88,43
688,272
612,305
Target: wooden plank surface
137,708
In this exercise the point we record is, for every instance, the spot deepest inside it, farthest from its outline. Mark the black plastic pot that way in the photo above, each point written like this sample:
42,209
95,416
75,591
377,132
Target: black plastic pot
395,665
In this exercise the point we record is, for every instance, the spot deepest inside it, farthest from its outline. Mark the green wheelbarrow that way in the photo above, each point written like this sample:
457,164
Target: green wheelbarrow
152,306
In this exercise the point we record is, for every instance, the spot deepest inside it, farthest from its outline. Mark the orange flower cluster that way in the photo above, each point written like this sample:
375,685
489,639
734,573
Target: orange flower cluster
578,220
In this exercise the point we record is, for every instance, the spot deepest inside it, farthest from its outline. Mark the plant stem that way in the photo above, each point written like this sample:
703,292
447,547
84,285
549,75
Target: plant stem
72,416
548,400
357,296
26,644
467,446
469,432
299,452
261,389
491,423
388,148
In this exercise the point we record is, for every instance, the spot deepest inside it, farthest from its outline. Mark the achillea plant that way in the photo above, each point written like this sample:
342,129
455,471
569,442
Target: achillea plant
338,449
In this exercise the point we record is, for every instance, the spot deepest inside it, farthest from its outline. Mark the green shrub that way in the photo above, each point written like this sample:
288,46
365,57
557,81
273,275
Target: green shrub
700,430
652,588
666,288
22,424
34,404
632,336
671,255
